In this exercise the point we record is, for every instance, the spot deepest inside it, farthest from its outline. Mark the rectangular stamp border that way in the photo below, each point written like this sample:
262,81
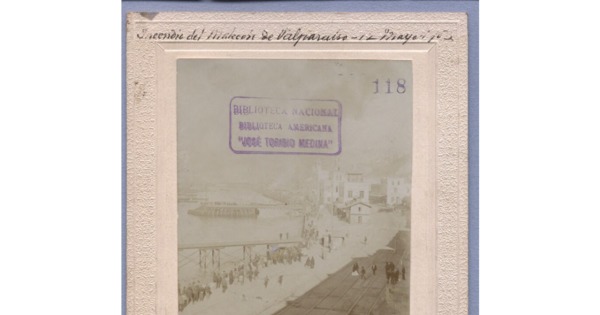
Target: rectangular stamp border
289,153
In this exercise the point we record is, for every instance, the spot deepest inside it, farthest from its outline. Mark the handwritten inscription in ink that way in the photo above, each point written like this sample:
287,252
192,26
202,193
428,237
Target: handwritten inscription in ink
294,36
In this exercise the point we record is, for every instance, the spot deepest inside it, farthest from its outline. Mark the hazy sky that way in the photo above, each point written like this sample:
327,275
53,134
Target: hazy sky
376,128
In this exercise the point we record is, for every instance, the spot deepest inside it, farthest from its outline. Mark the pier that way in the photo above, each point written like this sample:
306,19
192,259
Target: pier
213,250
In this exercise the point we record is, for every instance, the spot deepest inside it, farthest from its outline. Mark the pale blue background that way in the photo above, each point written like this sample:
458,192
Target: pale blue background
472,9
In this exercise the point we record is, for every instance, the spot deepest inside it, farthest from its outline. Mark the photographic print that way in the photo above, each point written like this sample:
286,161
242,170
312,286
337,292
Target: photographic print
294,186
297,163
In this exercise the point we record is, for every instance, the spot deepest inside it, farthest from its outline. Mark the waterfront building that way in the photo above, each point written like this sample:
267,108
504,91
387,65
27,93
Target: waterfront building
330,185
339,187
396,189
355,188
355,212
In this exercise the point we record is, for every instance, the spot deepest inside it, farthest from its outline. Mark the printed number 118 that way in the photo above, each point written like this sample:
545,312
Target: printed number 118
400,86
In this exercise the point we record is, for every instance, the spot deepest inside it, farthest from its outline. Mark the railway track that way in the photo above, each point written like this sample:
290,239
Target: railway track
343,293
365,307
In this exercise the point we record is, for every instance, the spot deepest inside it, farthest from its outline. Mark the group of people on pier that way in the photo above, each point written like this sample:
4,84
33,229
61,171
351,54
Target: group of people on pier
284,255
310,234
193,293
310,262
392,273
245,271
196,292
359,270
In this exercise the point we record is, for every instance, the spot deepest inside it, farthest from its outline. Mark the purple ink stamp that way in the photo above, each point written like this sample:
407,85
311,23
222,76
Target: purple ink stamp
260,125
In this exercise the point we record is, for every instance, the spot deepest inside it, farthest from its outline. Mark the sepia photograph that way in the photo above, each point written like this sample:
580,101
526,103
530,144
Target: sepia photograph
297,163
294,186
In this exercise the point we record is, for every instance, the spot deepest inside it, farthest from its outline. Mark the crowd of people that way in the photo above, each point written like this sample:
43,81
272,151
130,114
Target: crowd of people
310,262
358,270
284,255
392,273
193,293
244,271
310,234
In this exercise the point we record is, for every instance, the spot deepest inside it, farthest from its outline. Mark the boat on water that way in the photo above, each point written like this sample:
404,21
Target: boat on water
247,211
225,211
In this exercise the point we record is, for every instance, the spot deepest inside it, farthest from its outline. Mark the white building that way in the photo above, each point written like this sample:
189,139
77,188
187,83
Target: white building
355,188
396,189
356,212
340,187
330,185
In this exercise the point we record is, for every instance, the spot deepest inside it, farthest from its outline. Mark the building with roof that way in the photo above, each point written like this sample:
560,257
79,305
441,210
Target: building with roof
355,188
396,189
337,187
355,212
330,185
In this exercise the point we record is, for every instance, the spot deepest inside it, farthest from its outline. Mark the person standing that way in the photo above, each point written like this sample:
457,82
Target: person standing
216,280
266,281
388,271
403,273
280,279
182,302
196,292
363,273
374,268
189,293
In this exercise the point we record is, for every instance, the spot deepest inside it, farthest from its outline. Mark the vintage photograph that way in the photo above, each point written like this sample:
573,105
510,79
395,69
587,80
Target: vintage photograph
294,186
